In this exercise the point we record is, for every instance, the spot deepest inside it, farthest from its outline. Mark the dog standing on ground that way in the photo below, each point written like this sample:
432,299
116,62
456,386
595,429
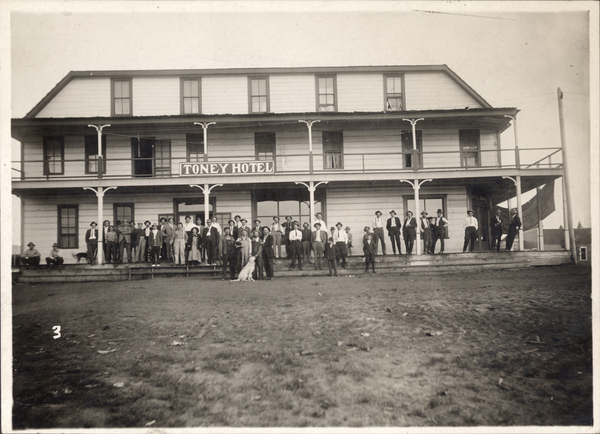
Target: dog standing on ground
80,256
246,273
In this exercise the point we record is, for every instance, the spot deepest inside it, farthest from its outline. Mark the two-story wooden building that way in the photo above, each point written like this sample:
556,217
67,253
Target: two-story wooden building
264,142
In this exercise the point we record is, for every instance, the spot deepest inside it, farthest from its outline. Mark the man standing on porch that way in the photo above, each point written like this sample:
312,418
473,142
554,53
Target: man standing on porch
425,232
513,228
410,232
319,219
340,238
439,231
318,240
393,227
471,227
496,225
277,233
91,239
378,225
295,241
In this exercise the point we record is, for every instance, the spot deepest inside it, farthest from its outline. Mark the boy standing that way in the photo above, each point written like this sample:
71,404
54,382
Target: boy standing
370,251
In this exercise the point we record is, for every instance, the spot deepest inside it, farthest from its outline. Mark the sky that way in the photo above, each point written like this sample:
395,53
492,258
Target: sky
513,56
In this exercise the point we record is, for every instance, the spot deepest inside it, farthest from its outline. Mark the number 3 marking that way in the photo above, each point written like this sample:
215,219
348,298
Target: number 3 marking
57,331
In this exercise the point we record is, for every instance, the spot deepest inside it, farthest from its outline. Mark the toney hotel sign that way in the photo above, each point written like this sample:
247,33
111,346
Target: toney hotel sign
228,168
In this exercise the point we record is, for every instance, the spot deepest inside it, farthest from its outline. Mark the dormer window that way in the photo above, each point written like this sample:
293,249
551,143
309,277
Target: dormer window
259,94
190,96
393,93
121,97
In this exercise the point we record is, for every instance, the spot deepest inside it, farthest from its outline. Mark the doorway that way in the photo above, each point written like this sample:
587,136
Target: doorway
194,207
482,215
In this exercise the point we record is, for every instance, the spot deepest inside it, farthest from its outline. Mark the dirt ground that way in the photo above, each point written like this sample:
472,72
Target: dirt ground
480,348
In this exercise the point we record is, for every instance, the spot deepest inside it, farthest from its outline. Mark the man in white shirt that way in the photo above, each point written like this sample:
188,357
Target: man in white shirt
378,225
296,246
319,219
277,231
471,227
340,239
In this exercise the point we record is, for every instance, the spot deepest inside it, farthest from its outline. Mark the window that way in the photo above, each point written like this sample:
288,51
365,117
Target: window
410,160
68,227
259,95
469,148
91,154
123,212
151,157
393,93
54,155
292,202
190,95
121,95
426,203
264,145
194,144
326,101
333,148
162,157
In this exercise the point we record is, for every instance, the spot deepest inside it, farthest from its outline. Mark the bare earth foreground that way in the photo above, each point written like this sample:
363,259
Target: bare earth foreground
476,348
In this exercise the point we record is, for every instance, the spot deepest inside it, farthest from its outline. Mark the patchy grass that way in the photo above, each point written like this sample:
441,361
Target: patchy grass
466,349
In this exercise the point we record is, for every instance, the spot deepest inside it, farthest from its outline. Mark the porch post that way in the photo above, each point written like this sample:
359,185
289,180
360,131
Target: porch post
540,222
413,123
565,217
310,150
206,189
520,211
205,126
311,191
99,129
100,195
416,187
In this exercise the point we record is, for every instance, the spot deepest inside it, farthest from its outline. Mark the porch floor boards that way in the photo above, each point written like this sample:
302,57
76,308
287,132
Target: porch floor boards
385,264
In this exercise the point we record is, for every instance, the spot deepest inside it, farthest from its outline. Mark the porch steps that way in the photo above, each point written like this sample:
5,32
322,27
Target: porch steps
452,262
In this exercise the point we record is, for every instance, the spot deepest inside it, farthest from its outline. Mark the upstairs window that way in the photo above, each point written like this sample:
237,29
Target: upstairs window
469,148
91,154
121,96
190,95
68,227
393,93
194,144
333,150
326,100
54,155
410,159
259,94
264,144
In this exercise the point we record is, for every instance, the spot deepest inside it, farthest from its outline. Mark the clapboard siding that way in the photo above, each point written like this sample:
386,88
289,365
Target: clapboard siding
156,96
81,97
292,93
360,92
225,95
433,91
444,147
488,143
118,155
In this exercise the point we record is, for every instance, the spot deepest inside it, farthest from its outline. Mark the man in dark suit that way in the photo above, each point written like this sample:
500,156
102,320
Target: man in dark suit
105,231
496,227
318,239
155,242
91,239
439,231
393,227
513,228
268,253
210,237
410,232
228,252
124,240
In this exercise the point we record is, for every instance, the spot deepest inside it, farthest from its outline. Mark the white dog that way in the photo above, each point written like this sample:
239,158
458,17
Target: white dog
246,273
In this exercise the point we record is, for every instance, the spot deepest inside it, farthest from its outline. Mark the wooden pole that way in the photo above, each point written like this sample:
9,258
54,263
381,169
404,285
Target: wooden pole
520,212
566,174
540,222
565,216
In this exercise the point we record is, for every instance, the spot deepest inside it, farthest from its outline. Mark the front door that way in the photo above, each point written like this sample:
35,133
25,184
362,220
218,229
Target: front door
142,152
483,219
194,207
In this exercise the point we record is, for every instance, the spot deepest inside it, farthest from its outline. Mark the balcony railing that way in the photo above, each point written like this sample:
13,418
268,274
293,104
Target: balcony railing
304,163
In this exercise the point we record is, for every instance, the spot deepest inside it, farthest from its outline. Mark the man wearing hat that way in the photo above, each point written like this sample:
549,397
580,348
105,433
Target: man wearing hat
306,243
319,219
513,228
55,257
471,227
187,227
410,232
124,240
340,239
287,228
277,231
267,243
142,254
496,229
318,239
425,231
31,256
439,231
295,240
155,242
393,227
105,226
228,252
256,226
91,239
210,238
378,225
246,227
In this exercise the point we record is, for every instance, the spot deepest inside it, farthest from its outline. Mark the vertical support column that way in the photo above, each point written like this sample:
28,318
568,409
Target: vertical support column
311,192
517,154
206,192
100,253
205,126
565,217
309,123
416,187
415,159
520,211
540,222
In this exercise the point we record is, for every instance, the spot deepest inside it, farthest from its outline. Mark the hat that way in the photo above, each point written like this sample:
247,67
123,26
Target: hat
188,217
367,229
162,218
228,228
317,224
305,224
93,223
275,217
288,217
440,211
31,244
237,217
513,210
55,245
339,224
423,212
470,211
392,212
409,212
296,223
149,222
244,221
256,221
377,212
107,221
347,228
155,225
231,221
267,228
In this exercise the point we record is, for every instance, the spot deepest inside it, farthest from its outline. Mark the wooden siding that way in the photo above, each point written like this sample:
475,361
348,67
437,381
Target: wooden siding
434,91
360,92
82,97
444,141
355,207
292,93
488,143
156,96
225,95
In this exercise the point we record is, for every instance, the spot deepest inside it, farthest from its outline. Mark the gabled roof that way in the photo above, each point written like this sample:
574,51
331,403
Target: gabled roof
251,71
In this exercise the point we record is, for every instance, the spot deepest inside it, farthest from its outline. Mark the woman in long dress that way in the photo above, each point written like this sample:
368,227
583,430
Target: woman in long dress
194,256
245,248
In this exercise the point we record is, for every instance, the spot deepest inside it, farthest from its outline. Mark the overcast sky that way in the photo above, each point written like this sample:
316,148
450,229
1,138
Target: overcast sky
512,59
